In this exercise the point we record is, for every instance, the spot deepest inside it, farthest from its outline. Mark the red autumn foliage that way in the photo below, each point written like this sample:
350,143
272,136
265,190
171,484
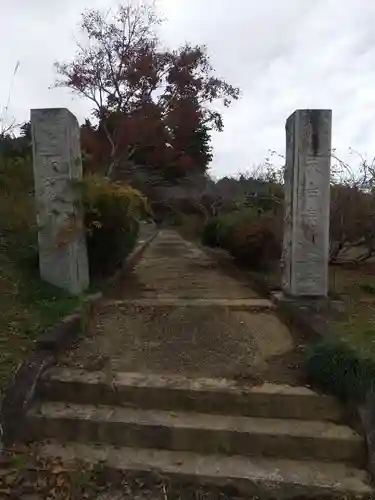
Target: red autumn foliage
145,98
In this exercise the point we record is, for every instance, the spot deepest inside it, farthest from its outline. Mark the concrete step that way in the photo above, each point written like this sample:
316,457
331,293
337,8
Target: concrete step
202,395
259,477
244,304
202,433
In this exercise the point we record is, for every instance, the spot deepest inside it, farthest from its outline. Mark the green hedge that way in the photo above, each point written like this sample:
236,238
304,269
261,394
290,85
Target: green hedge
252,238
338,369
112,215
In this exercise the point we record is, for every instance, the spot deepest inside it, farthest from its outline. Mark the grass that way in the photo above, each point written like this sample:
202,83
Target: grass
343,363
357,325
27,305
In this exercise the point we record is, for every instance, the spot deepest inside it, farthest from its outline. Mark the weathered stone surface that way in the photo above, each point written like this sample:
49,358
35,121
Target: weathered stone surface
199,432
178,392
162,300
307,194
57,164
259,476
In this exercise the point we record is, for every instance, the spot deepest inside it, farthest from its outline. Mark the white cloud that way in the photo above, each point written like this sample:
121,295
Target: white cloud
284,55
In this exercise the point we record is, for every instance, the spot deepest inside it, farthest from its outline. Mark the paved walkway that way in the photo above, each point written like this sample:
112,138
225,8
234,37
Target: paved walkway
177,312
174,267
178,316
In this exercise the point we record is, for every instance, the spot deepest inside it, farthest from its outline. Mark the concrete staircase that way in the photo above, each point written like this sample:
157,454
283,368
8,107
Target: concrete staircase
271,441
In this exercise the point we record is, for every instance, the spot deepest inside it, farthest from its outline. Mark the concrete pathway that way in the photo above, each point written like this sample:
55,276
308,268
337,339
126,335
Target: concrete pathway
174,267
179,313
190,375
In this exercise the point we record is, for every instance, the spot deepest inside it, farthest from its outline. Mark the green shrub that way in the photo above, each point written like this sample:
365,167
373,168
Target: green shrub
210,234
227,224
256,242
17,205
368,288
252,238
190,226
338,369
218,230
112,215
18,228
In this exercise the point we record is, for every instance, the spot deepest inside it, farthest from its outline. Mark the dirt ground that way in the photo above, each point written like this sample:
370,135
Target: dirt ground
25,475
198,341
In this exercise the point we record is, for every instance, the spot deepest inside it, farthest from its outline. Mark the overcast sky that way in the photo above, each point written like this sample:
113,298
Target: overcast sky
283,54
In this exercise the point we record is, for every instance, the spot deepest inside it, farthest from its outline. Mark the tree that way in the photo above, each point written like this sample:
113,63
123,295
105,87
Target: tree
12,146
149,102
352,205
197,145
352,210
26,130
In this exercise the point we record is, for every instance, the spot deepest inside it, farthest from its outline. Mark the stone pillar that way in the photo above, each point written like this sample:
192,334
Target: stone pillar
63,258
307,200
